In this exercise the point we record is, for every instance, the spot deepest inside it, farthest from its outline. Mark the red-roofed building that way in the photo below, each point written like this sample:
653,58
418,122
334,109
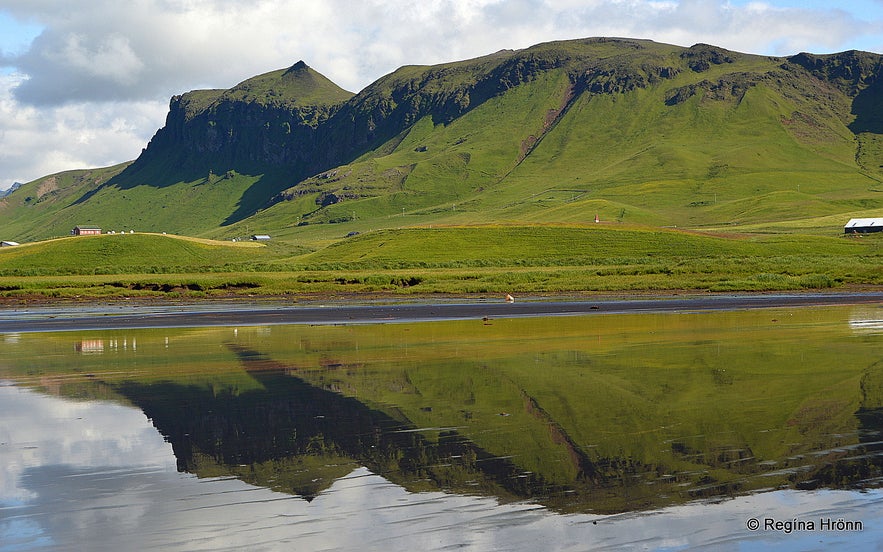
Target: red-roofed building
85,231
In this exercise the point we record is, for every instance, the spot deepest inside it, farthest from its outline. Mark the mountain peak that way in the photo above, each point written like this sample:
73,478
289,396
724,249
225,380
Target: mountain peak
299,85
298,67
431,136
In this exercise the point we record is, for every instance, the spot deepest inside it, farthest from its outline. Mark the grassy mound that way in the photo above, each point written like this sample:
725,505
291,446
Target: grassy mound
125,253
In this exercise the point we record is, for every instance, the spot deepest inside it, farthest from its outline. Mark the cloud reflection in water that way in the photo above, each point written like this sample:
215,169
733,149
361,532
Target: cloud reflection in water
97,476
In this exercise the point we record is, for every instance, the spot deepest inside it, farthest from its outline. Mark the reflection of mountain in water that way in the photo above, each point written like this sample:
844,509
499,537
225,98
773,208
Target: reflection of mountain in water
296,436
854,465
865,462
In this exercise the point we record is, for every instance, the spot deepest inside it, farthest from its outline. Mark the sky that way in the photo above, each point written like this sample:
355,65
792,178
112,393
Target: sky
86,84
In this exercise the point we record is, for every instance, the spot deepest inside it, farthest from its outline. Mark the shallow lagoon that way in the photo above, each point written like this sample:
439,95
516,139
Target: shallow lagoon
619,431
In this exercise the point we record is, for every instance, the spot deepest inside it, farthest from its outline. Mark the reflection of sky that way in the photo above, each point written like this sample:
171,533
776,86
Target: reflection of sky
37,431
866,320
97,476
40,436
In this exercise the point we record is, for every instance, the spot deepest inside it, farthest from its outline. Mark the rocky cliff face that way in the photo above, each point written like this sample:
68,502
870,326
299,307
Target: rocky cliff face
851,71
298,123
240,132
297,120
267,122
291,134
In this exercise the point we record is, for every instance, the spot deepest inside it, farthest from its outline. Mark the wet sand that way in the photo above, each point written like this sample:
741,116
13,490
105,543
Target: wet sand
47,318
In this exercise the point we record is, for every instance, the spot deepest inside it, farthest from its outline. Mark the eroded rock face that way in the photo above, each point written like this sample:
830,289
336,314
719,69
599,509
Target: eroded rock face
700,57
300,124
851,71
263,122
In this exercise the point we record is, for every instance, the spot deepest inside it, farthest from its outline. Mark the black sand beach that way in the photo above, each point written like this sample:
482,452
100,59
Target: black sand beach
47,318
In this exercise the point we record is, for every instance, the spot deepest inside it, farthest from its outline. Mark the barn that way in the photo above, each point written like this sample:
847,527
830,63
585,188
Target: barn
85,231
863,226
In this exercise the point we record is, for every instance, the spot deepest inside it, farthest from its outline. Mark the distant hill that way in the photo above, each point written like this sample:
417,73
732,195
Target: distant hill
562,132
7,191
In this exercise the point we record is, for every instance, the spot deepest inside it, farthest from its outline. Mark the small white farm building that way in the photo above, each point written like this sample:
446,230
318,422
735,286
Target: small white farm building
863,226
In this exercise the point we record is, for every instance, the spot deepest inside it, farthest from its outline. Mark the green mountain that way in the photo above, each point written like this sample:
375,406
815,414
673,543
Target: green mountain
629,130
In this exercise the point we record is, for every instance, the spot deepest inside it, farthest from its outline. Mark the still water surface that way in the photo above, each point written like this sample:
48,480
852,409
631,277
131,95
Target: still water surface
637,431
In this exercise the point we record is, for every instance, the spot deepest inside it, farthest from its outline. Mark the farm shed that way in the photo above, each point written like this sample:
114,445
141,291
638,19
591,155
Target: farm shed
85,231
863,226
260,237
8,243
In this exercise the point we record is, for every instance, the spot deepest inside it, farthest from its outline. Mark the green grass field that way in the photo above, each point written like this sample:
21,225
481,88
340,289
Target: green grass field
484,176
447,260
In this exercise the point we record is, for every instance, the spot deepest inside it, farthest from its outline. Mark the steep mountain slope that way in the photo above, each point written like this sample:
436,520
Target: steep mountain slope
629,130
266,122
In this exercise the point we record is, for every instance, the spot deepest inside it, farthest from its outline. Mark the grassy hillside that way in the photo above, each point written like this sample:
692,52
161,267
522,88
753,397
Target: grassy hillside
49,206
205,177
489,259
121,253
632,131
505,161
740,144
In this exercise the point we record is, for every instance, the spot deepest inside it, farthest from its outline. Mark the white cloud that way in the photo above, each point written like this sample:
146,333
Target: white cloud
39,141
104,70
111,58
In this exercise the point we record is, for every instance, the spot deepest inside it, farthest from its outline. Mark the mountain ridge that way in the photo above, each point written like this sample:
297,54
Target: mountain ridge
668,133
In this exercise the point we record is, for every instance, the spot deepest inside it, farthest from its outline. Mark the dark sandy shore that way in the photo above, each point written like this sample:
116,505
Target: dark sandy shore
47,318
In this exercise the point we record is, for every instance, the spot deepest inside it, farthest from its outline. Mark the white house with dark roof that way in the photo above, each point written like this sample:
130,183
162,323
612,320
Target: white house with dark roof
863,226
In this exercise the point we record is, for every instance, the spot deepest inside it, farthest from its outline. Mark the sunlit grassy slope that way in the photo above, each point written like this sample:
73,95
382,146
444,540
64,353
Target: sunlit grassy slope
753,159
631,131
490,259
505,161
119,253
